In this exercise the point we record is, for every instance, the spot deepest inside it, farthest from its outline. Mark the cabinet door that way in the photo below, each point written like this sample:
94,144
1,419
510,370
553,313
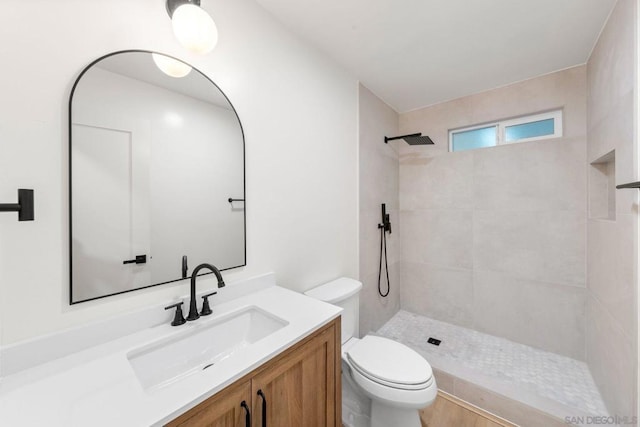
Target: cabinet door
299,388
222,410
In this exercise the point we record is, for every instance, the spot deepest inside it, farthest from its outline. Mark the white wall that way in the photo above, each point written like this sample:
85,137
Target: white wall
299,113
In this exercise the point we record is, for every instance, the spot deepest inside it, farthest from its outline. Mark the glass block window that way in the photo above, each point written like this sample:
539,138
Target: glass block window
522,129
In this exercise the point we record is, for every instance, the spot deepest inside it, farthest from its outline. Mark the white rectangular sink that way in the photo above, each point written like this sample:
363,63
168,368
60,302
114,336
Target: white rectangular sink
202,346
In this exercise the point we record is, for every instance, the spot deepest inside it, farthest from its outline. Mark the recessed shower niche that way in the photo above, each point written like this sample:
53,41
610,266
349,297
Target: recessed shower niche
602,187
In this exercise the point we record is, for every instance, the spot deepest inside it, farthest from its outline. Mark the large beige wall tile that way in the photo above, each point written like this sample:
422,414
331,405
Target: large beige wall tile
612,254
378,164
602,188
440,182
377,120
527,203
370,241
612,360
610,69
538,314
621,119
375,310
544,246
378,161
440,293
610,268
612,130
545,175
615,131
378,181
438,237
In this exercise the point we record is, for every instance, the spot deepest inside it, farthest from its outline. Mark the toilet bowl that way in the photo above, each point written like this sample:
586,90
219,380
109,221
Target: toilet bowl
398,380
385,383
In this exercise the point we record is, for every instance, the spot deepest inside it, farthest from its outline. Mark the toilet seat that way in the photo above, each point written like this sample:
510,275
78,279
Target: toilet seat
390,372
385,382
390,363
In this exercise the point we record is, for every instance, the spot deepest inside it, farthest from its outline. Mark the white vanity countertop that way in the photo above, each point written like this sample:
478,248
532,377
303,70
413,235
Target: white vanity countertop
98,387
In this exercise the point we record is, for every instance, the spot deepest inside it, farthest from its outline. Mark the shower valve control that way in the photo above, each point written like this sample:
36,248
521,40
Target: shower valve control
386,223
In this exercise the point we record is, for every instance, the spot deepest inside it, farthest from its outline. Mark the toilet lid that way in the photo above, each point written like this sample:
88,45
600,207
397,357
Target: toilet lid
388,361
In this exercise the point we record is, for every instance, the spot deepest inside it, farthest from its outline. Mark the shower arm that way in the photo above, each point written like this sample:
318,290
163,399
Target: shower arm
412,135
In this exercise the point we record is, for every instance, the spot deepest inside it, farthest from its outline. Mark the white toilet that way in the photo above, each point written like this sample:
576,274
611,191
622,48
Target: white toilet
384,383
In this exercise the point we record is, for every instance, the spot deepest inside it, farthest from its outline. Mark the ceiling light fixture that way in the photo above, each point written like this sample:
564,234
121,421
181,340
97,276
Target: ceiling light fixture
192,25
171,67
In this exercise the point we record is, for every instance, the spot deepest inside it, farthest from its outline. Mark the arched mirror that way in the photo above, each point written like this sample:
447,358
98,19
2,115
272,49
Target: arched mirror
157,176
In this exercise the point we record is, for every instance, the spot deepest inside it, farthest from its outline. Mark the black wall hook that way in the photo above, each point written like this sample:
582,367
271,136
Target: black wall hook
24,207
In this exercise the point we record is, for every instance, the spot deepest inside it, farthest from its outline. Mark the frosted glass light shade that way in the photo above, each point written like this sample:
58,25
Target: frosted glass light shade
194,28
171,67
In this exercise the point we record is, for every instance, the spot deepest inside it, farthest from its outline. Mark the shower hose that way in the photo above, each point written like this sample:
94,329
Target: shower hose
383,251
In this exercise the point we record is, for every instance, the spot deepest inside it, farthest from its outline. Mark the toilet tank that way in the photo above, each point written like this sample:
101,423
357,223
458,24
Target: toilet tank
343,292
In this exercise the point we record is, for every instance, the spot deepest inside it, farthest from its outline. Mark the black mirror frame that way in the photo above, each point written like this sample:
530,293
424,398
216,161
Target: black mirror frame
244,176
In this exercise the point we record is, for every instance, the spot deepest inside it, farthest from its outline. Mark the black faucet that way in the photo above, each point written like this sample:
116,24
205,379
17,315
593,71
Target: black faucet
193,307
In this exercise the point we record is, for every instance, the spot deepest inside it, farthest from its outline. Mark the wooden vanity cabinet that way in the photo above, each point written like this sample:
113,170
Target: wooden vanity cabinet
225,409
299,387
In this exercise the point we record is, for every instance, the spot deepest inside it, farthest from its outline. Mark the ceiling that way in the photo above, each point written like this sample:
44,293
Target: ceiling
415,53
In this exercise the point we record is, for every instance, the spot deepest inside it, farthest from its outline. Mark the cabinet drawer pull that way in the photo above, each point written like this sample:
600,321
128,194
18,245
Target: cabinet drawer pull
264,408
248,416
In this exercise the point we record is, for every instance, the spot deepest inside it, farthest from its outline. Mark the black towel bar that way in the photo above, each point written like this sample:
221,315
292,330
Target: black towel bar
629,185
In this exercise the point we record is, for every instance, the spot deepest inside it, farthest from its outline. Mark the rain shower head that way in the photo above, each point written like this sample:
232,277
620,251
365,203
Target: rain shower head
413,139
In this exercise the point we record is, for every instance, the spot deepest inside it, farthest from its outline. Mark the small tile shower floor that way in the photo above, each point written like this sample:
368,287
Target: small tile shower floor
549,375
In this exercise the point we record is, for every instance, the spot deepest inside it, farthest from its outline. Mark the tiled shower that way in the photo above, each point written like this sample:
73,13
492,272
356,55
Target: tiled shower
528,244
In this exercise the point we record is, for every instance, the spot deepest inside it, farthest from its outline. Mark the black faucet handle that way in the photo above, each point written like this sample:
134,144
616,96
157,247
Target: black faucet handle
185,267
178,318
206,309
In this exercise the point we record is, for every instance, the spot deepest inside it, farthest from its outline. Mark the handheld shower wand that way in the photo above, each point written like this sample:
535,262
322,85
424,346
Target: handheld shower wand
385,227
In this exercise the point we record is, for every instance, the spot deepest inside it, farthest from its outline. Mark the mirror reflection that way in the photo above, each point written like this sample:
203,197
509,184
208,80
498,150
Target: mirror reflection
156,152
